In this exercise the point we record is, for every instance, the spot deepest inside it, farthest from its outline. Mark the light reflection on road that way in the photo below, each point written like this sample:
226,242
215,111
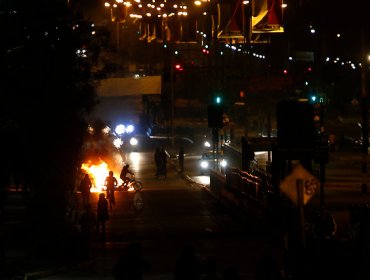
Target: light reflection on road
204,180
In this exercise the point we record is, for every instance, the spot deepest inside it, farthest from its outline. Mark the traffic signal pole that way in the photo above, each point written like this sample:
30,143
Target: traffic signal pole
172,102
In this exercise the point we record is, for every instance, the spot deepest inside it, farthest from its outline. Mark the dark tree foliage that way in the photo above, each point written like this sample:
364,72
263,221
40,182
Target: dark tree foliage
46,93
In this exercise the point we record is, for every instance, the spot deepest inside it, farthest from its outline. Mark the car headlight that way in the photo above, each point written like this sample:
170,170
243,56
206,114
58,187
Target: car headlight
130,128
133,141
204,164
207,144
223,163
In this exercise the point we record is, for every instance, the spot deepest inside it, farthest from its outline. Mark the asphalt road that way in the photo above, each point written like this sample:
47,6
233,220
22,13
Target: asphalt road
177,212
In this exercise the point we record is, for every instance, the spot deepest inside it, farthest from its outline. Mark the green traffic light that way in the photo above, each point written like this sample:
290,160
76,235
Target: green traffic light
218,100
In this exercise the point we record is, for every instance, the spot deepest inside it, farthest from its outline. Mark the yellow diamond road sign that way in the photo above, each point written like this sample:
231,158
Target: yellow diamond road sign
289,185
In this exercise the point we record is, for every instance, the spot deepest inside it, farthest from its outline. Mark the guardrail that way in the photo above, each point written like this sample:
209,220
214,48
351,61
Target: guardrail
247,190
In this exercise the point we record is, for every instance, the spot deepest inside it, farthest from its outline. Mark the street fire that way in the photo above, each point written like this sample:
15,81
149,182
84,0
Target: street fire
97,174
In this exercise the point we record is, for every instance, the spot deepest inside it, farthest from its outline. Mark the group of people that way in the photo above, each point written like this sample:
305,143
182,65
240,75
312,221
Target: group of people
105,201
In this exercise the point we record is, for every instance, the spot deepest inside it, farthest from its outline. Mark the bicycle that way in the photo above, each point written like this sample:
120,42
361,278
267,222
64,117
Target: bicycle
137,201
131,184
137,186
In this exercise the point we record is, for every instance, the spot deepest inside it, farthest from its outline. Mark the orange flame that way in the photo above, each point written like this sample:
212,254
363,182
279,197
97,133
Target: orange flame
97,173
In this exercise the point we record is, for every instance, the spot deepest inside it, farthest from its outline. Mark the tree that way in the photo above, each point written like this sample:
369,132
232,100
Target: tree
47,92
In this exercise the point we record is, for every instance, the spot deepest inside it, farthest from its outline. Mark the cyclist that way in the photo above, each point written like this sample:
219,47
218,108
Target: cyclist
123,175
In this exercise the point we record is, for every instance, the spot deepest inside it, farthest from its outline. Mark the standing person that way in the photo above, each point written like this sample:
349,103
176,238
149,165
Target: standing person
132,265
111,183
181,159
163,161
85,187
102,214
324,226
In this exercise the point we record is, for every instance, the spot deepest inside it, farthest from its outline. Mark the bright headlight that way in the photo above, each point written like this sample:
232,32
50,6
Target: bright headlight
207,144
204,164
223,163
130,128
117,142
120,129
133,141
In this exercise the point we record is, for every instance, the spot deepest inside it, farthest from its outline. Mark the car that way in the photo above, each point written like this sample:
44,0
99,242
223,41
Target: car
211,160
156,130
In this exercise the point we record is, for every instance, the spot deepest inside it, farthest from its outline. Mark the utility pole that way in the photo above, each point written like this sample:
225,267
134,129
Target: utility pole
364,128
365,123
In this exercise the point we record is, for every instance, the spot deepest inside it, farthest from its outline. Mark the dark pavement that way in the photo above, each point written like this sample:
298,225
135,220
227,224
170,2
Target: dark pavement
176,211
168,234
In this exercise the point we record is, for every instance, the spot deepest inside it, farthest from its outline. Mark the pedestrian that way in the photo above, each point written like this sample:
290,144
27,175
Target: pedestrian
102,215
324,226
181,159
85,189
87,222
132,265
163,161
111,184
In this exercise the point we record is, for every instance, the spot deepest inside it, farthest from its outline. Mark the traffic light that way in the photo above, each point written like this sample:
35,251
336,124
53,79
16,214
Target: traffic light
218,100
317,99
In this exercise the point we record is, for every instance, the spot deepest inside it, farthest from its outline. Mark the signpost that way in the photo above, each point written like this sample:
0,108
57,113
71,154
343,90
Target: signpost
309,184
300,186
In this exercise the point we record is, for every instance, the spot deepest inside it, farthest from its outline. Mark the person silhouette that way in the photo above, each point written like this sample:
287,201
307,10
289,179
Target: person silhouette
102,214
123,176
111,183
163,161
131,265
181,159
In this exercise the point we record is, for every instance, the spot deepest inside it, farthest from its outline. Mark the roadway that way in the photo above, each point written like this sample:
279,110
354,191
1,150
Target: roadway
180,210
176,212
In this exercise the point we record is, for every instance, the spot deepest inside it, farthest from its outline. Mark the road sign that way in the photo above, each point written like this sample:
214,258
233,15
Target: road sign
289,185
